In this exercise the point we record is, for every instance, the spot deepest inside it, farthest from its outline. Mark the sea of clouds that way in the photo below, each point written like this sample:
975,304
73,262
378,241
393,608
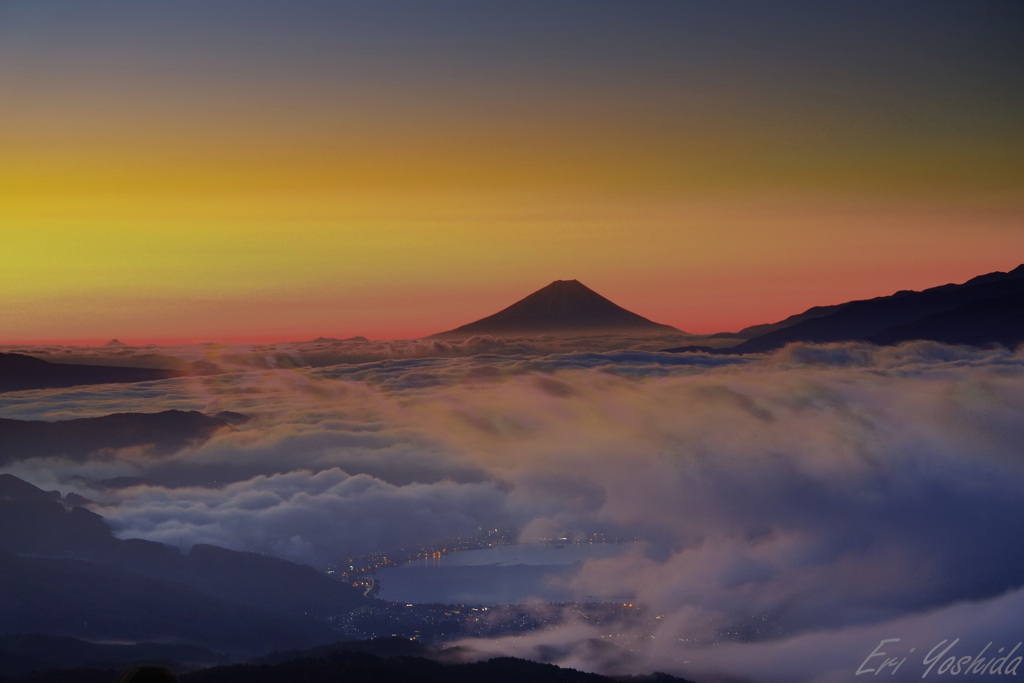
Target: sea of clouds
793,509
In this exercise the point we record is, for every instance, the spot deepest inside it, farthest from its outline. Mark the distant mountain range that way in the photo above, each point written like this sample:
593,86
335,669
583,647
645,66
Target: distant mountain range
988,309
19,372
563,307
161,432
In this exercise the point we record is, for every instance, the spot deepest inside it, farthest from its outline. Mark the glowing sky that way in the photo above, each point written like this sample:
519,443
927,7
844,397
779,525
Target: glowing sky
231,170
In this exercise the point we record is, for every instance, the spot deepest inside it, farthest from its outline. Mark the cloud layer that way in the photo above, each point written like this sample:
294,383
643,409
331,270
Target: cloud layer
793,509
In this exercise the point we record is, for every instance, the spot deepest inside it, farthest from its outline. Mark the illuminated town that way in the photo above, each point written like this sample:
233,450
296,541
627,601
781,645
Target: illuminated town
436,622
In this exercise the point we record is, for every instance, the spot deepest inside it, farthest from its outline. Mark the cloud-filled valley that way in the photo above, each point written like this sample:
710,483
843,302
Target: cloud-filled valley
792,507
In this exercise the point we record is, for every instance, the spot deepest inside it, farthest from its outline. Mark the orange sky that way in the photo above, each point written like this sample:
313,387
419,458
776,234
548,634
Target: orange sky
222,175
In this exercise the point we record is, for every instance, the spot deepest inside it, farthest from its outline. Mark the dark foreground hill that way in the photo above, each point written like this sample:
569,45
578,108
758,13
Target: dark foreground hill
104,603
19,372
356,667
563,307
988,309
364,662
64,574
25,653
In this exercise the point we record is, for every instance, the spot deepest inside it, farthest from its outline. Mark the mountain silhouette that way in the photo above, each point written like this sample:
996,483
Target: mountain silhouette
19,372
105,603
988,309
160,433
22,654
64,573
563,307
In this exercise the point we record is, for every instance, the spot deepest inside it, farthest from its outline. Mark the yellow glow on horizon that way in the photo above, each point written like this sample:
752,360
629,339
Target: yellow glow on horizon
212,218
335,270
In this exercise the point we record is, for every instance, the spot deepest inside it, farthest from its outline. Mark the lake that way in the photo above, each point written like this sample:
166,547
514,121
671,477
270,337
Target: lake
500,575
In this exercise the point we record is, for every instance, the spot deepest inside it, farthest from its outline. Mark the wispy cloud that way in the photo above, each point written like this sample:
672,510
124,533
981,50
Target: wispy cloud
794,508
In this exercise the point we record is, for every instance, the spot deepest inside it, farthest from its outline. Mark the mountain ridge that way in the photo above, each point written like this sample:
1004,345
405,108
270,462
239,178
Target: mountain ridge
160,432
19,372
986,309
57,560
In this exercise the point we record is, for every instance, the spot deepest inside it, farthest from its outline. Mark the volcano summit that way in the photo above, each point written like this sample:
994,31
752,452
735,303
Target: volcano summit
563,307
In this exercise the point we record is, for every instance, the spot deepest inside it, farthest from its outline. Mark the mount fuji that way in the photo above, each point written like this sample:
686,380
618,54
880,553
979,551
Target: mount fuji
563,307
